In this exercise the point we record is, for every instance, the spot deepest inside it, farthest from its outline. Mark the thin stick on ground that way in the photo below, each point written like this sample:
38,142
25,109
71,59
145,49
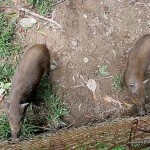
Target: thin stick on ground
57,3
53,23
69,125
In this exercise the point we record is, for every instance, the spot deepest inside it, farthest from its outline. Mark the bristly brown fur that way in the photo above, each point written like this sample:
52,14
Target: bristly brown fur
138,61
25,83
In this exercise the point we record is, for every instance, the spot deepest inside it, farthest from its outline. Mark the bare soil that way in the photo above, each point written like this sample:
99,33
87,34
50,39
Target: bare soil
102,32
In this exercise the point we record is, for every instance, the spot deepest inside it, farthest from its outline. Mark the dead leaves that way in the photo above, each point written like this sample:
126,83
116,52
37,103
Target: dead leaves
111,100
91,84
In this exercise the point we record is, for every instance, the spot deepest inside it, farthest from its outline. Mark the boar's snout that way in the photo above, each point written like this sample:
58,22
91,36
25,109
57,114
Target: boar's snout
15,129
138,92
15,136
15,118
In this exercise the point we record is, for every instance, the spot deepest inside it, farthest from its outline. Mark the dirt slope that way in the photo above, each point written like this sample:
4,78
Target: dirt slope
95,33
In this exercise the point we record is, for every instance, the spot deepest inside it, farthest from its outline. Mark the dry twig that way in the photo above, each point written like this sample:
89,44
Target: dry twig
57,3
53,23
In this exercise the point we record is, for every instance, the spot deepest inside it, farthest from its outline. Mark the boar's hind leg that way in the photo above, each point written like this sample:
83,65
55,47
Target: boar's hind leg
47,72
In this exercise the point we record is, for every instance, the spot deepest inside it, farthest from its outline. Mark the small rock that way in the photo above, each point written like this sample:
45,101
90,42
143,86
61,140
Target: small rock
86,60
109,31
74,43
52,67
139,20
85,16
119,1
27,22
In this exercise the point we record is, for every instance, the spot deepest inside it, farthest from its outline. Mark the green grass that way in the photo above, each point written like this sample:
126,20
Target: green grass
4,127
103,71
119,148
54,105
7,71
117,82
100,145
47,118
42,6
8,49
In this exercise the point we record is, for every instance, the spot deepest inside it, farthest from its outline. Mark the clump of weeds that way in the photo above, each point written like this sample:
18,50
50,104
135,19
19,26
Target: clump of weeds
103,71
117,82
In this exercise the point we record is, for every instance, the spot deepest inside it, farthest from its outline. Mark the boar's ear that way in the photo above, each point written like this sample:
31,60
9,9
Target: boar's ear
24,105
131,85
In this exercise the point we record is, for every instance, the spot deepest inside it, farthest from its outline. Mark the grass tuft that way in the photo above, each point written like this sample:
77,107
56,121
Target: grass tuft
43,7
8,50
103,71
4,127
54,105
117,82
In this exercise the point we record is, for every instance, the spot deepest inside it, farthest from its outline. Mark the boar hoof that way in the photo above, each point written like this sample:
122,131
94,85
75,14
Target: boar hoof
16,140
141,112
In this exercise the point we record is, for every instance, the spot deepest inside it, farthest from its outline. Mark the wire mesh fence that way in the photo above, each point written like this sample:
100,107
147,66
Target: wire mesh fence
125,134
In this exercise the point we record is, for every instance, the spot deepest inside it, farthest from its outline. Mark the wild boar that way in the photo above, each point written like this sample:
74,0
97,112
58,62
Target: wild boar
137,64
24,85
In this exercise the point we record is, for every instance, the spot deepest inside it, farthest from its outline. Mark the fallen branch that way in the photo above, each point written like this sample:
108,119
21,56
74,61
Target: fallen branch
53,23
69,125
57,3
77,86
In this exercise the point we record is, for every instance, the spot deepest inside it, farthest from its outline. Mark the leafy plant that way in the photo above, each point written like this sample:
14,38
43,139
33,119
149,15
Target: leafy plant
5,86
103,71
117,82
